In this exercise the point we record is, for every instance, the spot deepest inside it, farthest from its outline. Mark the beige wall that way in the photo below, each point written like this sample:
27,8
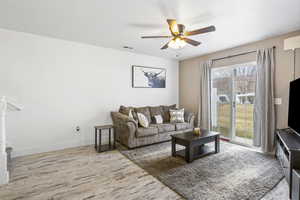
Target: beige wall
189,73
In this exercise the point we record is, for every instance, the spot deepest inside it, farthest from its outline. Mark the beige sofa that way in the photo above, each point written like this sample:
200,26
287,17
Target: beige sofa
130,134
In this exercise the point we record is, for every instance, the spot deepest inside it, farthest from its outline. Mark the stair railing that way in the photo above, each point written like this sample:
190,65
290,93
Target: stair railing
5,106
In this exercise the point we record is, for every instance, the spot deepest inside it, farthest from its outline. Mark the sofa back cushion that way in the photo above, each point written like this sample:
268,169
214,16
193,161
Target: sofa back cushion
166,112
145,111
154,111
149,112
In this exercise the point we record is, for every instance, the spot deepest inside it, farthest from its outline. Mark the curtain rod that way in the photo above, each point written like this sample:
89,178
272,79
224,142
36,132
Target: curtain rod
240,54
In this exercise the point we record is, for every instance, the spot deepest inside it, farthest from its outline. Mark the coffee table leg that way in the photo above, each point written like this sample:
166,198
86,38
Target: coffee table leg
189,153
173,147
109,138
217,144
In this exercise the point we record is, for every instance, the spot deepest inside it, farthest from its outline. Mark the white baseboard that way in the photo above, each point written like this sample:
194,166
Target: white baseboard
49,147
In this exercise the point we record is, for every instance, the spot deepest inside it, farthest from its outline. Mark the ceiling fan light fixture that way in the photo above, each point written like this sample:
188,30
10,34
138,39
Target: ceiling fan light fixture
178,35
177,43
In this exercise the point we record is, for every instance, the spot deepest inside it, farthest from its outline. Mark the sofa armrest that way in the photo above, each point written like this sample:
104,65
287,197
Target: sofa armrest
125,128
189,117
121,119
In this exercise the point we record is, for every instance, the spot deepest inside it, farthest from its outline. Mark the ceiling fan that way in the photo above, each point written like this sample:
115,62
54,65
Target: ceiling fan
178,35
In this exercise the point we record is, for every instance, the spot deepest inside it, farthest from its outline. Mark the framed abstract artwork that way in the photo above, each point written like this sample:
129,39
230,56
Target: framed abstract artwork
148,77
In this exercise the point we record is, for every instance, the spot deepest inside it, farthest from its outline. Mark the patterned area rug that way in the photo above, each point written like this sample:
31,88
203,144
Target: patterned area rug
234,173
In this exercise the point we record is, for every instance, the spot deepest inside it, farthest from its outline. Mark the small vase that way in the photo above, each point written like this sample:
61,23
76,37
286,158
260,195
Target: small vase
197,131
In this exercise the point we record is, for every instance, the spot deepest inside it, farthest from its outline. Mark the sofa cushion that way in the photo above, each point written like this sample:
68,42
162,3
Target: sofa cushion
145,111
166,127
157,110
166,112
182,126
144,132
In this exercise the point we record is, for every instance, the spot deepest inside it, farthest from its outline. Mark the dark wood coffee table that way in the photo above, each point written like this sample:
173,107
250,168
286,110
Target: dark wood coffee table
195,144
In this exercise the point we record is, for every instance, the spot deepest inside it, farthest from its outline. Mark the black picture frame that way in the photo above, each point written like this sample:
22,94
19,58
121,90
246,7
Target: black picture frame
156,77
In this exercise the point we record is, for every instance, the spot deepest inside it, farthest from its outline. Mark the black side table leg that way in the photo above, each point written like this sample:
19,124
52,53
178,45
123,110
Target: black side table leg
99,145
109,140
114,133
96,138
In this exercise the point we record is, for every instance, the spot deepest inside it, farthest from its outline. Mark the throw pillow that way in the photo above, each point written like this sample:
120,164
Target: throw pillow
127,110
145,111
177,116
157,119
130,115
143,121
124,110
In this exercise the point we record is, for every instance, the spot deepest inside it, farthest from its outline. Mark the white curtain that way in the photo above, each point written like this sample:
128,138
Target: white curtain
264,107
204,112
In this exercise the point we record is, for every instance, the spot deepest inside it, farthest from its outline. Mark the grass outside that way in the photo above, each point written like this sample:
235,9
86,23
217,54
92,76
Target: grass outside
244,120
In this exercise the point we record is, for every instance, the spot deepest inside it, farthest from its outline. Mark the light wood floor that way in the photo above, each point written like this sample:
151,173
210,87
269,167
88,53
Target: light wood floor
280,192
81,173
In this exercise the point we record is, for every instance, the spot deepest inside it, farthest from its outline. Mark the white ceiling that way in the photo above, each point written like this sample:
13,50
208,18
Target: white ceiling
115,23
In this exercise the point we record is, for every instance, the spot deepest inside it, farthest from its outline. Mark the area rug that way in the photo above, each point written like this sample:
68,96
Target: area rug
234,173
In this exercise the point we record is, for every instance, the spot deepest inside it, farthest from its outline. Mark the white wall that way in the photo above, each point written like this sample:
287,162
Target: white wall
62,84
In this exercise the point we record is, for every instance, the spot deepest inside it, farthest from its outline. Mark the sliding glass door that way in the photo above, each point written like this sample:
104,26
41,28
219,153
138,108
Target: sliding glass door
221,101
232,99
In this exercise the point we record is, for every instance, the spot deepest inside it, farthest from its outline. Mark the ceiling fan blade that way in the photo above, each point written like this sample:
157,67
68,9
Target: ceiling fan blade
181,28
165,46
146,37
172,26
201,30
191,42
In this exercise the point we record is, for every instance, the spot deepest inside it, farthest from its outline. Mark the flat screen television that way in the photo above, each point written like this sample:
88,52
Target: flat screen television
294,106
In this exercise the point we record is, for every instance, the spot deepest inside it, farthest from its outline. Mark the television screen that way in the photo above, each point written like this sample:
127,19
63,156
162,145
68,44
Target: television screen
294,106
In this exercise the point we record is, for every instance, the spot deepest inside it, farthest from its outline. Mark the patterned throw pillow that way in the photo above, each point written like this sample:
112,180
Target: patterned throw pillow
157,119
143,121
177,116
145,111
130,115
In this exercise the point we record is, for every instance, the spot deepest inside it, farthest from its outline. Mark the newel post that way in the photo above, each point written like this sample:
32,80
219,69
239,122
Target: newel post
4,176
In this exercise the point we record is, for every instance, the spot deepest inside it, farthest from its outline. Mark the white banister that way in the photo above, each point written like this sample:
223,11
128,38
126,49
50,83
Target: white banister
5,106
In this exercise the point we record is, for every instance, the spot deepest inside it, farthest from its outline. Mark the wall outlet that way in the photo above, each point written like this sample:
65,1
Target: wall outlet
278,101
77,129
